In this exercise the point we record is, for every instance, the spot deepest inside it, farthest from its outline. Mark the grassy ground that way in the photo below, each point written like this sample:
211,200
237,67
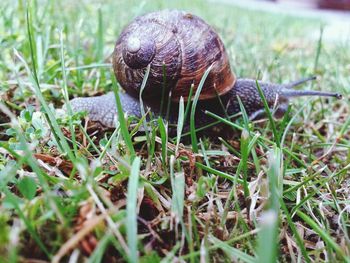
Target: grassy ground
268,190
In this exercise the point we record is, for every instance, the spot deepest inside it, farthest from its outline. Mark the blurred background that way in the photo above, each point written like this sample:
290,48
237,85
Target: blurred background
322,4
333,14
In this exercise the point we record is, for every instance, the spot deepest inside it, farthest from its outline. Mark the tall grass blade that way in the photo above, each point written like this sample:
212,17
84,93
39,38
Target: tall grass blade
189,100
65,93
180,124
292,226
268,236
178,189
193,110
60,138
131,210
100,31
122,122
164,138
244,160
319,48
142,108
244,113
269,114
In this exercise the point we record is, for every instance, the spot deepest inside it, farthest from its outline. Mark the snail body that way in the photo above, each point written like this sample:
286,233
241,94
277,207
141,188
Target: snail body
179,47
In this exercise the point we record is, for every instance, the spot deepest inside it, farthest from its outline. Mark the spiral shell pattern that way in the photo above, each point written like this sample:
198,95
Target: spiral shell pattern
180,47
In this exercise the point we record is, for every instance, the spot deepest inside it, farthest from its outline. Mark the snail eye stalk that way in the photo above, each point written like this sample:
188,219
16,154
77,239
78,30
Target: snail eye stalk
289,92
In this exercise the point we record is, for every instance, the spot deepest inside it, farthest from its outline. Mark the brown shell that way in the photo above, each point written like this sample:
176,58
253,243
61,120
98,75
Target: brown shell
178,44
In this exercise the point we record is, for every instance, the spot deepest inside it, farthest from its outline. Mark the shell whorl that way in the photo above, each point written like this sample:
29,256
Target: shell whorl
138,53
147,40
179,47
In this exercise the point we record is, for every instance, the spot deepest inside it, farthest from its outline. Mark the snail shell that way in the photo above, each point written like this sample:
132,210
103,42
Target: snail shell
179,47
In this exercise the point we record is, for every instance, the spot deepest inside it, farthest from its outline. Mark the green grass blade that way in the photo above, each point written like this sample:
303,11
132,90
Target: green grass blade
218,173
122,122
87,136
268,236
100,250
142,107
230,147
275,176
262,140
60,138
319,48
109,142
324,235
65,93
224,110
235,254
131,223
193,110
178,189
223,120
321,183
244,113
180,124
292,226
269,114
164,138
99,39
244,160
188,104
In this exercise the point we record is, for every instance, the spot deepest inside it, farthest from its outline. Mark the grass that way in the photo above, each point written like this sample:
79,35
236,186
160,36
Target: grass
257,191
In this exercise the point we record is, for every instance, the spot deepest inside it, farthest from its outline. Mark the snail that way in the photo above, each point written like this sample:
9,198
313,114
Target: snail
179,47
